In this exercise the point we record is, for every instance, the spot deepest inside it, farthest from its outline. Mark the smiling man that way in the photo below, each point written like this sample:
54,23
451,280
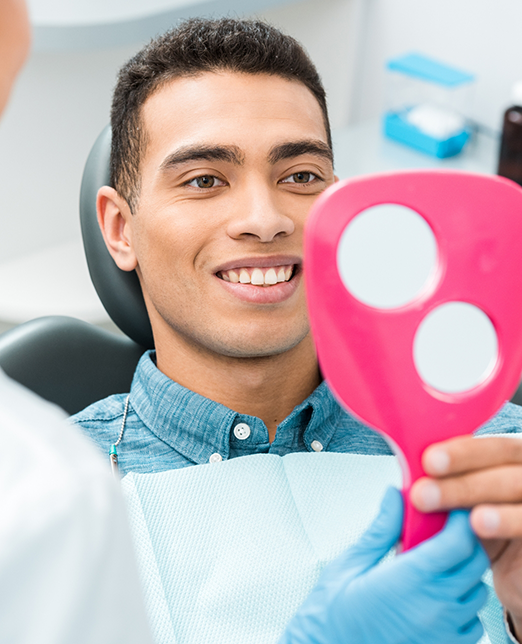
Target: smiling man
232,164
221,143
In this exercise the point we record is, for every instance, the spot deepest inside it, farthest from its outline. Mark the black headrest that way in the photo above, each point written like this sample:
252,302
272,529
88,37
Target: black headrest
119,291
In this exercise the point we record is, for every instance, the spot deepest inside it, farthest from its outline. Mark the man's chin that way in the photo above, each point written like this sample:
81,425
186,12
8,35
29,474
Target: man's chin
250,345
245,341
253,350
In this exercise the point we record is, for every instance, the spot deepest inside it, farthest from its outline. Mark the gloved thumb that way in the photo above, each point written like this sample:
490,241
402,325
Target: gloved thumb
382,535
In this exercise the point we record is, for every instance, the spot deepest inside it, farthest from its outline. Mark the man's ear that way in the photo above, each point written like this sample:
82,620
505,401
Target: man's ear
115,221
336,178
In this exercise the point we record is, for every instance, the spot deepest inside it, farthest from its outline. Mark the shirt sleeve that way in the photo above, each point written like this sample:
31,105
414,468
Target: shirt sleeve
508,420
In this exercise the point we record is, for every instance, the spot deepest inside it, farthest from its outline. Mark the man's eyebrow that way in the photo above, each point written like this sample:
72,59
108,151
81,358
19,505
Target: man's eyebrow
229,153
297,148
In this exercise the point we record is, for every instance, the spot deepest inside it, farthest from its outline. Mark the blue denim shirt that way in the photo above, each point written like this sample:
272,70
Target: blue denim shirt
169,426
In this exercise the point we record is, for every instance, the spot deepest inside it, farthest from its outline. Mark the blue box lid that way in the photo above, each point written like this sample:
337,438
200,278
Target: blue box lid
430,70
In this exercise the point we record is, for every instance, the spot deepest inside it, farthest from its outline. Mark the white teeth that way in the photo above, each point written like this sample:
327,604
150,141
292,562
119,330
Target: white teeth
270,276
257,277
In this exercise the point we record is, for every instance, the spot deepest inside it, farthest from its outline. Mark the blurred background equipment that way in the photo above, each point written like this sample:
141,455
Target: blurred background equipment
510,159
427,104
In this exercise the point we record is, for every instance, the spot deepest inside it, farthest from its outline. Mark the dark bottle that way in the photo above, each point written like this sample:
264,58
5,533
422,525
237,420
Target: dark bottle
510,161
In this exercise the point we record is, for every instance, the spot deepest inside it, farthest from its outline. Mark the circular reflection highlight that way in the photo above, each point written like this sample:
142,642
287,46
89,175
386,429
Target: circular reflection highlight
455,347
386,255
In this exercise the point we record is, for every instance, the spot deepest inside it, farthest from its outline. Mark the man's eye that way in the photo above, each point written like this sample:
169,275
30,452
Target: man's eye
205,181
300,177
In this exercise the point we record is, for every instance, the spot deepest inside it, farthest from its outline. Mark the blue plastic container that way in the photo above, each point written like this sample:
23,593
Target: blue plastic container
427,102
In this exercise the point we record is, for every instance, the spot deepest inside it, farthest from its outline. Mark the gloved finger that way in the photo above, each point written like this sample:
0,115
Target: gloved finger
472,602
463,578
456,613
382,535
475,567
471,632
448,549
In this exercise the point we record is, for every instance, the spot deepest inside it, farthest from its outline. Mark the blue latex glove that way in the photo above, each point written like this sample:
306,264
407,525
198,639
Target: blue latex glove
430,594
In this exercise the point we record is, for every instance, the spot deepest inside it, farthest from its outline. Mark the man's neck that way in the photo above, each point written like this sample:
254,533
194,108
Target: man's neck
268,387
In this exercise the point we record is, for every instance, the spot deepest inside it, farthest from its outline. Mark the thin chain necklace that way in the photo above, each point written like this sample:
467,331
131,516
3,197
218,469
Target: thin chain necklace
113,452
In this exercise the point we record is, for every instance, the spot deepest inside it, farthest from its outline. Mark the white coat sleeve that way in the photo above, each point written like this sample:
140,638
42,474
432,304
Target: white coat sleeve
67,569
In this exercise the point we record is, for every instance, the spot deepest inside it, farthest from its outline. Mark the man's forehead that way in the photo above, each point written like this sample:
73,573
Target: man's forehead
228,107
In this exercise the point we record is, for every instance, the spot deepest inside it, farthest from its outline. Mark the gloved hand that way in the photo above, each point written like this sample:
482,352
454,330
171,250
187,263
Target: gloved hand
430,594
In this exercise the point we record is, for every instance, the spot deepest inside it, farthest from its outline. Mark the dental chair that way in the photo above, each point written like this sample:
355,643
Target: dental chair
73,363
70,362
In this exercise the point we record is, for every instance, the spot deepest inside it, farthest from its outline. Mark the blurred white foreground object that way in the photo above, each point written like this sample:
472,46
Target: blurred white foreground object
67,571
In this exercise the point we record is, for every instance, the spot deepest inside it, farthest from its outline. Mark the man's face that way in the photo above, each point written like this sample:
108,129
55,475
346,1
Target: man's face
232,165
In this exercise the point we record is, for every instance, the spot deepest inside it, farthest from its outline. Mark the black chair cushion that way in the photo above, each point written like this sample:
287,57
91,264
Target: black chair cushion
69,362
119,291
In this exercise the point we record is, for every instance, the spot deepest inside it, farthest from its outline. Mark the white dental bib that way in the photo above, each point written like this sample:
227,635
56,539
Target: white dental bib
228,551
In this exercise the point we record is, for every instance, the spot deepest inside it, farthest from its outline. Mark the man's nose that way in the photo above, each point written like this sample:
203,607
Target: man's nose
259,215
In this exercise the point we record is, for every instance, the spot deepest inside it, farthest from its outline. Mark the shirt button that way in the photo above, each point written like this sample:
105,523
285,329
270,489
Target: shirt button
316,446
215,458
241,431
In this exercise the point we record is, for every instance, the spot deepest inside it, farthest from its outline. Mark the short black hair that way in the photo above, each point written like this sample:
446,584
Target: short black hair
194,47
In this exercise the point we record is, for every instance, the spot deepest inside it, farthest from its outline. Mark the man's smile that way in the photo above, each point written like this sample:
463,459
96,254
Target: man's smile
261,280
258,276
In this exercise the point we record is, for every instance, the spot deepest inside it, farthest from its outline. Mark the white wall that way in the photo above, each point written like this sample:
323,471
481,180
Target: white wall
61,103
330,31
59,106
482,36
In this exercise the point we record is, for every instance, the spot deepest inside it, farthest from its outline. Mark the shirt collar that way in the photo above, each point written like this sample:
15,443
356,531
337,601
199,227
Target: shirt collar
198,427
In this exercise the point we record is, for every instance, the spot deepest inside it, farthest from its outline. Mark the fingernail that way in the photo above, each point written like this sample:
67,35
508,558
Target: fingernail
490,520
438,461
429,496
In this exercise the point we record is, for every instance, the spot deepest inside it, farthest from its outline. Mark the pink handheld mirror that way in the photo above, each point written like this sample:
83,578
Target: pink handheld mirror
414,285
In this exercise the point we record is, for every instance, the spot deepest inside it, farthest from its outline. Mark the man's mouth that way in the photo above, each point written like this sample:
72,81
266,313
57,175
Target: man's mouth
259,276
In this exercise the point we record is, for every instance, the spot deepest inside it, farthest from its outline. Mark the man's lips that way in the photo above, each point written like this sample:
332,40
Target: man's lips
258,276
262,294
260,262
261,281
